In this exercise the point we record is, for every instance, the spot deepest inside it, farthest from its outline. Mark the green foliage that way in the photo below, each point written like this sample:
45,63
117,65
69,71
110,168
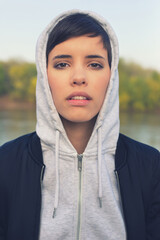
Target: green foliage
18,80
139,88
4,79
21,76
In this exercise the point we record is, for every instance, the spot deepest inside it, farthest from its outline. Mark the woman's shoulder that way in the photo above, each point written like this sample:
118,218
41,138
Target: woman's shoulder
21,140
16,153
11,148
138,157
135,146
135,152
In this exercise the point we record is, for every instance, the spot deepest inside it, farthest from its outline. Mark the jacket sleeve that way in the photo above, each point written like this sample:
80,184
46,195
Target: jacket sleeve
3,200
153,216
2,234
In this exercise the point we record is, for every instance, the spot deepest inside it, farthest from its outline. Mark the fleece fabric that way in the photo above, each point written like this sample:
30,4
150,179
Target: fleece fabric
68,194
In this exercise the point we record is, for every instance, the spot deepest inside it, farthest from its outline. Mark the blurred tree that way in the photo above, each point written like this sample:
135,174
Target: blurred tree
139,88
21,76
31,89
4,79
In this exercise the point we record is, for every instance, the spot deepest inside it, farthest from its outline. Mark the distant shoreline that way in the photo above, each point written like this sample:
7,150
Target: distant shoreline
7,103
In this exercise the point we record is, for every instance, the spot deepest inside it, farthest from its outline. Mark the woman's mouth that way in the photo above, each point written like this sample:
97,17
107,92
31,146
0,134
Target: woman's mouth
79,99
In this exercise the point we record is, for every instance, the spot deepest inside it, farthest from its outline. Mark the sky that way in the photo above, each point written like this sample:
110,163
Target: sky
136,24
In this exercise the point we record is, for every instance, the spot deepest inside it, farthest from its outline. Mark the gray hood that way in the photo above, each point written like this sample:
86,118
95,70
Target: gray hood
48,120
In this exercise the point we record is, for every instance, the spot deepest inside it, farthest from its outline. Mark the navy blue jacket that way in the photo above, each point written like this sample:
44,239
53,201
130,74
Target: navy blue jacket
21,173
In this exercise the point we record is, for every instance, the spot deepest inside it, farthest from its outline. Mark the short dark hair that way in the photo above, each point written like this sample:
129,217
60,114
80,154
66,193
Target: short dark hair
74,25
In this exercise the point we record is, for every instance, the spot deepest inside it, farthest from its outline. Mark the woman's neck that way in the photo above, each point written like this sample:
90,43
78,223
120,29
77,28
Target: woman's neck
79,133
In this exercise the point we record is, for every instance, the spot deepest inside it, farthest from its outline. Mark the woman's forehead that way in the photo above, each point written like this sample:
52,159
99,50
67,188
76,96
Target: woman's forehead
81,44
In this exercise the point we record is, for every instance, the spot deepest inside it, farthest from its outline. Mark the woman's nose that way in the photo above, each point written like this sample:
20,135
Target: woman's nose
79,77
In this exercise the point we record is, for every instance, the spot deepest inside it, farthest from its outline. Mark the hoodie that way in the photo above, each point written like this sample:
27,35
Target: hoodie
80,197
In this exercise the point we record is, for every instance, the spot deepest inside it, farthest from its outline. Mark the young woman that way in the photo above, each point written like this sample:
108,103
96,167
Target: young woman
76,177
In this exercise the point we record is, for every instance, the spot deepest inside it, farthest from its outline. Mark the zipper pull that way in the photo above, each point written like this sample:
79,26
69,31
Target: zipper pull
79,156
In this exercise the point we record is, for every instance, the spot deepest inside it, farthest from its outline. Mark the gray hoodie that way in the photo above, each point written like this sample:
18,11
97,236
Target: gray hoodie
79,203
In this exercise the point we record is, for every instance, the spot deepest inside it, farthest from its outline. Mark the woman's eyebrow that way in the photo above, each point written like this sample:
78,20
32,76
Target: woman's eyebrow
62,56
95,56
69,56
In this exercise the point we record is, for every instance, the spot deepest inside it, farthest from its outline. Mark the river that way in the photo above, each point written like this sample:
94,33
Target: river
142,127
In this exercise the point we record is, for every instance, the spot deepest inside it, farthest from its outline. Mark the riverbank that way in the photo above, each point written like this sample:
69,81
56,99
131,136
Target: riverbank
139,126
7,103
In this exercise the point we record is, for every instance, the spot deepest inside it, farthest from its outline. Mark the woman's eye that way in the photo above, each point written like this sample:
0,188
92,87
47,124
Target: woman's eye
61,65
96,65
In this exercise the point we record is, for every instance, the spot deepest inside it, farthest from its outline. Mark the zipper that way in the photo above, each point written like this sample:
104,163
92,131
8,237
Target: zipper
79,156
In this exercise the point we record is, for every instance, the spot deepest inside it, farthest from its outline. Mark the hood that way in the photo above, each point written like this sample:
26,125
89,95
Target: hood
106,129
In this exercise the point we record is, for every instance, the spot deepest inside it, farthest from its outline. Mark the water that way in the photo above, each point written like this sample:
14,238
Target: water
15,123
142,127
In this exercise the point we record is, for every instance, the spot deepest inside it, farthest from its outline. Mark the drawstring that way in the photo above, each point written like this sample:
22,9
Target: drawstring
100,167
57,174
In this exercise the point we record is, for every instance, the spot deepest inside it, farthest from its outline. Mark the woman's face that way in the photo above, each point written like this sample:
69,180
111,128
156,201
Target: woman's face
78,74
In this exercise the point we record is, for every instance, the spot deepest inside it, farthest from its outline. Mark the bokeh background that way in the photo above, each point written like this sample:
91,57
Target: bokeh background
136,24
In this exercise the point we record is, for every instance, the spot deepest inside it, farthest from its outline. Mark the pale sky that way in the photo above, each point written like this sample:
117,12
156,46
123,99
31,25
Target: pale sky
136,24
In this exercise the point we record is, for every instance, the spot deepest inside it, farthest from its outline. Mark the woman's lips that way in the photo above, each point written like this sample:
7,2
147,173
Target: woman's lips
79,99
